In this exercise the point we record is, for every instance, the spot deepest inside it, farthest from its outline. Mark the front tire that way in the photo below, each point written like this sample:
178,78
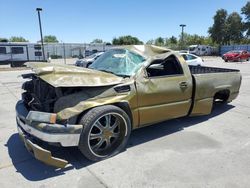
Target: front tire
106,130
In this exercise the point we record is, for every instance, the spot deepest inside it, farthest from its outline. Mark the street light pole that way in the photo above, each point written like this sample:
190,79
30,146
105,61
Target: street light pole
41,33
182,33
64,53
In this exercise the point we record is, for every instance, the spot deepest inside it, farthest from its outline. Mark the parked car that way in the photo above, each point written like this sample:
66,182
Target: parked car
126,88
192,59
236,55
88,60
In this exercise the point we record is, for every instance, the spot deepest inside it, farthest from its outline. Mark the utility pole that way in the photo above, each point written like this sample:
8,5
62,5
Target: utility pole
64,53
182,33
41,33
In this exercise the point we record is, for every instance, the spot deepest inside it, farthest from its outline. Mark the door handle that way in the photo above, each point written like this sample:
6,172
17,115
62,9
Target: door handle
183,85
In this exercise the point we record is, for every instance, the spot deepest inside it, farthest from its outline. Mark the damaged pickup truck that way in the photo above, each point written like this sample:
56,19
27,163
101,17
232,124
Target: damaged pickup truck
126,88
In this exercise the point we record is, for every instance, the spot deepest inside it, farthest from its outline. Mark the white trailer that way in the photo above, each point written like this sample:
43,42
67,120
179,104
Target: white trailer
201,50
18,53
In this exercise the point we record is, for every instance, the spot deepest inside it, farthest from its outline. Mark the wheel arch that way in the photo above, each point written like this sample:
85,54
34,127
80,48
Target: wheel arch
123,105
223,95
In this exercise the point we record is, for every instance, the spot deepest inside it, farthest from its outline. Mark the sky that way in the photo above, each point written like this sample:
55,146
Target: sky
81,21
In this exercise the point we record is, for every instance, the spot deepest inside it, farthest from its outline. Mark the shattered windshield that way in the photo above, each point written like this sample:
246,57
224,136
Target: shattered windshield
120,62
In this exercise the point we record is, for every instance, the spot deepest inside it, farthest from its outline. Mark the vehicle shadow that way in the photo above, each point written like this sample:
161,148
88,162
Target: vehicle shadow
34,170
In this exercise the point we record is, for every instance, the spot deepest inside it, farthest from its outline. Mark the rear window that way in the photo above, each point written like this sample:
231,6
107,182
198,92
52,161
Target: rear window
235,52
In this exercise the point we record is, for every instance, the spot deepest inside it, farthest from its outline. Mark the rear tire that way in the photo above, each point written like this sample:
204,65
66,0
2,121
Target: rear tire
106,130
221,97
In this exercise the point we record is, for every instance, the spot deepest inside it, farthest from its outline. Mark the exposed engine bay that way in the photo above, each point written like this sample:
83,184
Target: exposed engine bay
41,96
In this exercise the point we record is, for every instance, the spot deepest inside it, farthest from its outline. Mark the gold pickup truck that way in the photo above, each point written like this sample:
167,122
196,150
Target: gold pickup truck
126,88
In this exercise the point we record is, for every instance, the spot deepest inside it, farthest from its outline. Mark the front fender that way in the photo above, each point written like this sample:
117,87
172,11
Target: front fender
88,104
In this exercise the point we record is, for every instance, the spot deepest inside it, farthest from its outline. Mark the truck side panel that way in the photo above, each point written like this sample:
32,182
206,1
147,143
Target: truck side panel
207,85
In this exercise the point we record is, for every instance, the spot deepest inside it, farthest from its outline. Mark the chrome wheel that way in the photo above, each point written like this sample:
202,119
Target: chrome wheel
107,133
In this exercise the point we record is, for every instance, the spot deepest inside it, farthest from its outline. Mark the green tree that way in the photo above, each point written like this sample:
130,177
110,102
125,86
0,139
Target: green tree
218,30
246,11
17,39
171,43
234,28
159,41
208,41
126,40
192,39
195,39
173,40
4,40
95,41
50,39
150,42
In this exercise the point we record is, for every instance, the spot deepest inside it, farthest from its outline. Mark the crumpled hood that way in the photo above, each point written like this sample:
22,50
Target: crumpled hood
71,76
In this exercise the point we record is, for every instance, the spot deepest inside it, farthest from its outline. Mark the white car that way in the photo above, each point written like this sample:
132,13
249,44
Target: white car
192,59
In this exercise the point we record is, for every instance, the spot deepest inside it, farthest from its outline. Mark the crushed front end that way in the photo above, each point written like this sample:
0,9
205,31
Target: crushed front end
36,121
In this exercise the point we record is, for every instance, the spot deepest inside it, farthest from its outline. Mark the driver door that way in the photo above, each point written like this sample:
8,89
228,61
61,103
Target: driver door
165,92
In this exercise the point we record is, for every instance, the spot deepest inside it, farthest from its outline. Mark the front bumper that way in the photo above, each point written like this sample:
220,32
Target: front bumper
40,153
29,125
230,58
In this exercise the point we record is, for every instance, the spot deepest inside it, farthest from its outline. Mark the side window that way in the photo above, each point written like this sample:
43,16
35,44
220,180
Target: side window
190,57
167,67
38,53
37,47
2,50
17,50
184,56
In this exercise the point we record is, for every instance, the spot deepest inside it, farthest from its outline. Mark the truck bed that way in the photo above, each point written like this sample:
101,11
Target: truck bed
204,70
211,83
